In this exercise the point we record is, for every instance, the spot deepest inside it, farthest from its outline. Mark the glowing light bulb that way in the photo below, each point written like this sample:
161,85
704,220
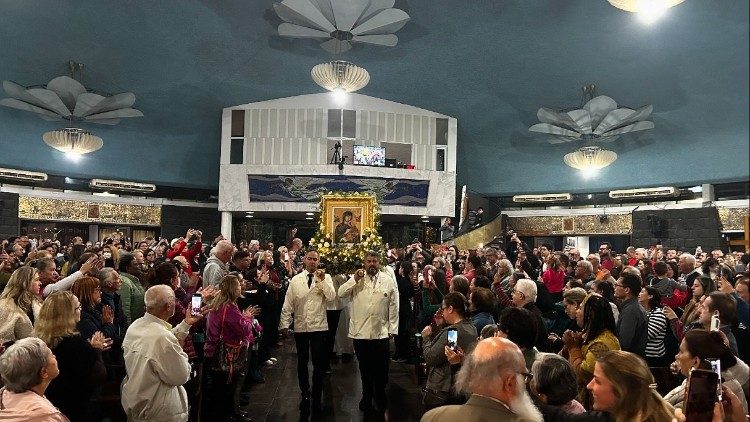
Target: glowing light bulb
72,156
339,95
589,173
649,11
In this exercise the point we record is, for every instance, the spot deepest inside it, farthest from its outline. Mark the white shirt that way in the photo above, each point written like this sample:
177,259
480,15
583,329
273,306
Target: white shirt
62,284
308,304
156,370
374,309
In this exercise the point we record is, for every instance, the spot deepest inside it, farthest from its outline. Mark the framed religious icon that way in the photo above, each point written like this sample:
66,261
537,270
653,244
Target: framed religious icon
346,217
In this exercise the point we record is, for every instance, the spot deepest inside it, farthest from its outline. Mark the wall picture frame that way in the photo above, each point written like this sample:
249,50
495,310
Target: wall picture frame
346,217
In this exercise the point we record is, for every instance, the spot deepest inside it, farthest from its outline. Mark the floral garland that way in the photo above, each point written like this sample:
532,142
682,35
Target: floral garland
345,258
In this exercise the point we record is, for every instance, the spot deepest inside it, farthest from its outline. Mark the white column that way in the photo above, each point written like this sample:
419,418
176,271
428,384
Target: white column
226,224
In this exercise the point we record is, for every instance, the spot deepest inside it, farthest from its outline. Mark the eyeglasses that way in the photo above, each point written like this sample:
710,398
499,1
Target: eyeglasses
618,285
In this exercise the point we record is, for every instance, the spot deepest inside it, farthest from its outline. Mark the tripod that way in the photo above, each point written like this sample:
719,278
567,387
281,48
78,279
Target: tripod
336,158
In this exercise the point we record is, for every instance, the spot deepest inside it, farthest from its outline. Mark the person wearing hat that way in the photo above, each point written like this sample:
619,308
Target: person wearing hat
696,348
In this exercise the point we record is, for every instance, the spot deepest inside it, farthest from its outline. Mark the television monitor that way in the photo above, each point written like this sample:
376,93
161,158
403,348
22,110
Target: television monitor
369,156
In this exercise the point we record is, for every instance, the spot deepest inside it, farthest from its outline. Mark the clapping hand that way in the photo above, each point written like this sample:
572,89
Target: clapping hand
263,277
572,339
427,331
108,315
207,293
251,311
99,342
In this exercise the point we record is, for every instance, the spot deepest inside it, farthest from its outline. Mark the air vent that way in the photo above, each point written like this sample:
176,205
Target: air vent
546,197
26,176
120,185
645,193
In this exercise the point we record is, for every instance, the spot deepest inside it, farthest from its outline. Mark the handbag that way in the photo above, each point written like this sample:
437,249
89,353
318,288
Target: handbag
229,358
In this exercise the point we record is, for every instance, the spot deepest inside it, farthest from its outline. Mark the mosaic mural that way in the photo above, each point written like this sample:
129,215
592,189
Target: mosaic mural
308,188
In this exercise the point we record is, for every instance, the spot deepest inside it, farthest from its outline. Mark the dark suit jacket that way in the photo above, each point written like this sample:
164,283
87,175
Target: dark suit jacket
477,409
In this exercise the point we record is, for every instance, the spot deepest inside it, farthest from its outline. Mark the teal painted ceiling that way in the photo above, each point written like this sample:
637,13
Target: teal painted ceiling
490,64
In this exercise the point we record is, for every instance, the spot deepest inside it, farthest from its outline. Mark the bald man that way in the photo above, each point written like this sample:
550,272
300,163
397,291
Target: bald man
494,373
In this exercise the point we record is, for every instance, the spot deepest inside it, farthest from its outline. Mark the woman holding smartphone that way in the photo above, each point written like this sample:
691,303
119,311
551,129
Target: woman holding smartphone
696,350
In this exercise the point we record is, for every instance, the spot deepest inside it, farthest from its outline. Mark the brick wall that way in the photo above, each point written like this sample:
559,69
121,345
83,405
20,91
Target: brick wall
9,222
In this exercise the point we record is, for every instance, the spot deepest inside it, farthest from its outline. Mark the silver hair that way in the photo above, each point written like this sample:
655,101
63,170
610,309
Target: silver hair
506,264
21,363
595,256
688,257
554,377
254,242
486,371
588,265
104,275
158,296
528,288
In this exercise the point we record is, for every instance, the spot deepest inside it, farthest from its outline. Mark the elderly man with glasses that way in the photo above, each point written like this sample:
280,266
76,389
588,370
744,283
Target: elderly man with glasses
495,375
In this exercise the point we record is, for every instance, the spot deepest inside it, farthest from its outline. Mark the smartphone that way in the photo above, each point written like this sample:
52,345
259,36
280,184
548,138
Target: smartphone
195,304
453,338
701,395
286,256
715,322
716,368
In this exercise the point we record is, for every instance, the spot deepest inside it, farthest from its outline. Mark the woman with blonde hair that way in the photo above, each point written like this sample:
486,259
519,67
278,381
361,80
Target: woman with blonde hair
20,304
231,329
80,362
624,387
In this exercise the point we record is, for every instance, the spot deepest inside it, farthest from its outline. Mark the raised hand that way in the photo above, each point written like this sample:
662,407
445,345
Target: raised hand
359,274
89,265
208,293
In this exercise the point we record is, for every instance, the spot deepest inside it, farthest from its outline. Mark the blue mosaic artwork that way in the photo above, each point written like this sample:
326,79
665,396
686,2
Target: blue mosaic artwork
309,188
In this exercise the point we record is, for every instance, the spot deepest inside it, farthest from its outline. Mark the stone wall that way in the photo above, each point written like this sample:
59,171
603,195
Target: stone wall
683,229
571,225
9,221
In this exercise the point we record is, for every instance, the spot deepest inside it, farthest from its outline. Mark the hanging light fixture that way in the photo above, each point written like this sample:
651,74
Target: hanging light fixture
72,141
68,100
590,159
340,76
599,119
647,10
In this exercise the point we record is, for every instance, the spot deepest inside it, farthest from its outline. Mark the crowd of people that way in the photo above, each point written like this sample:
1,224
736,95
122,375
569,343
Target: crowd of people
178,329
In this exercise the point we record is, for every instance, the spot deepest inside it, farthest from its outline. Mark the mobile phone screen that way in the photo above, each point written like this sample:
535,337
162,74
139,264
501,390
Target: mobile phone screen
195,305
701,395
716,368
452,338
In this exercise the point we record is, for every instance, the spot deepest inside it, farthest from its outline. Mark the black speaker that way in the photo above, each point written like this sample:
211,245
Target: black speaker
656,224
